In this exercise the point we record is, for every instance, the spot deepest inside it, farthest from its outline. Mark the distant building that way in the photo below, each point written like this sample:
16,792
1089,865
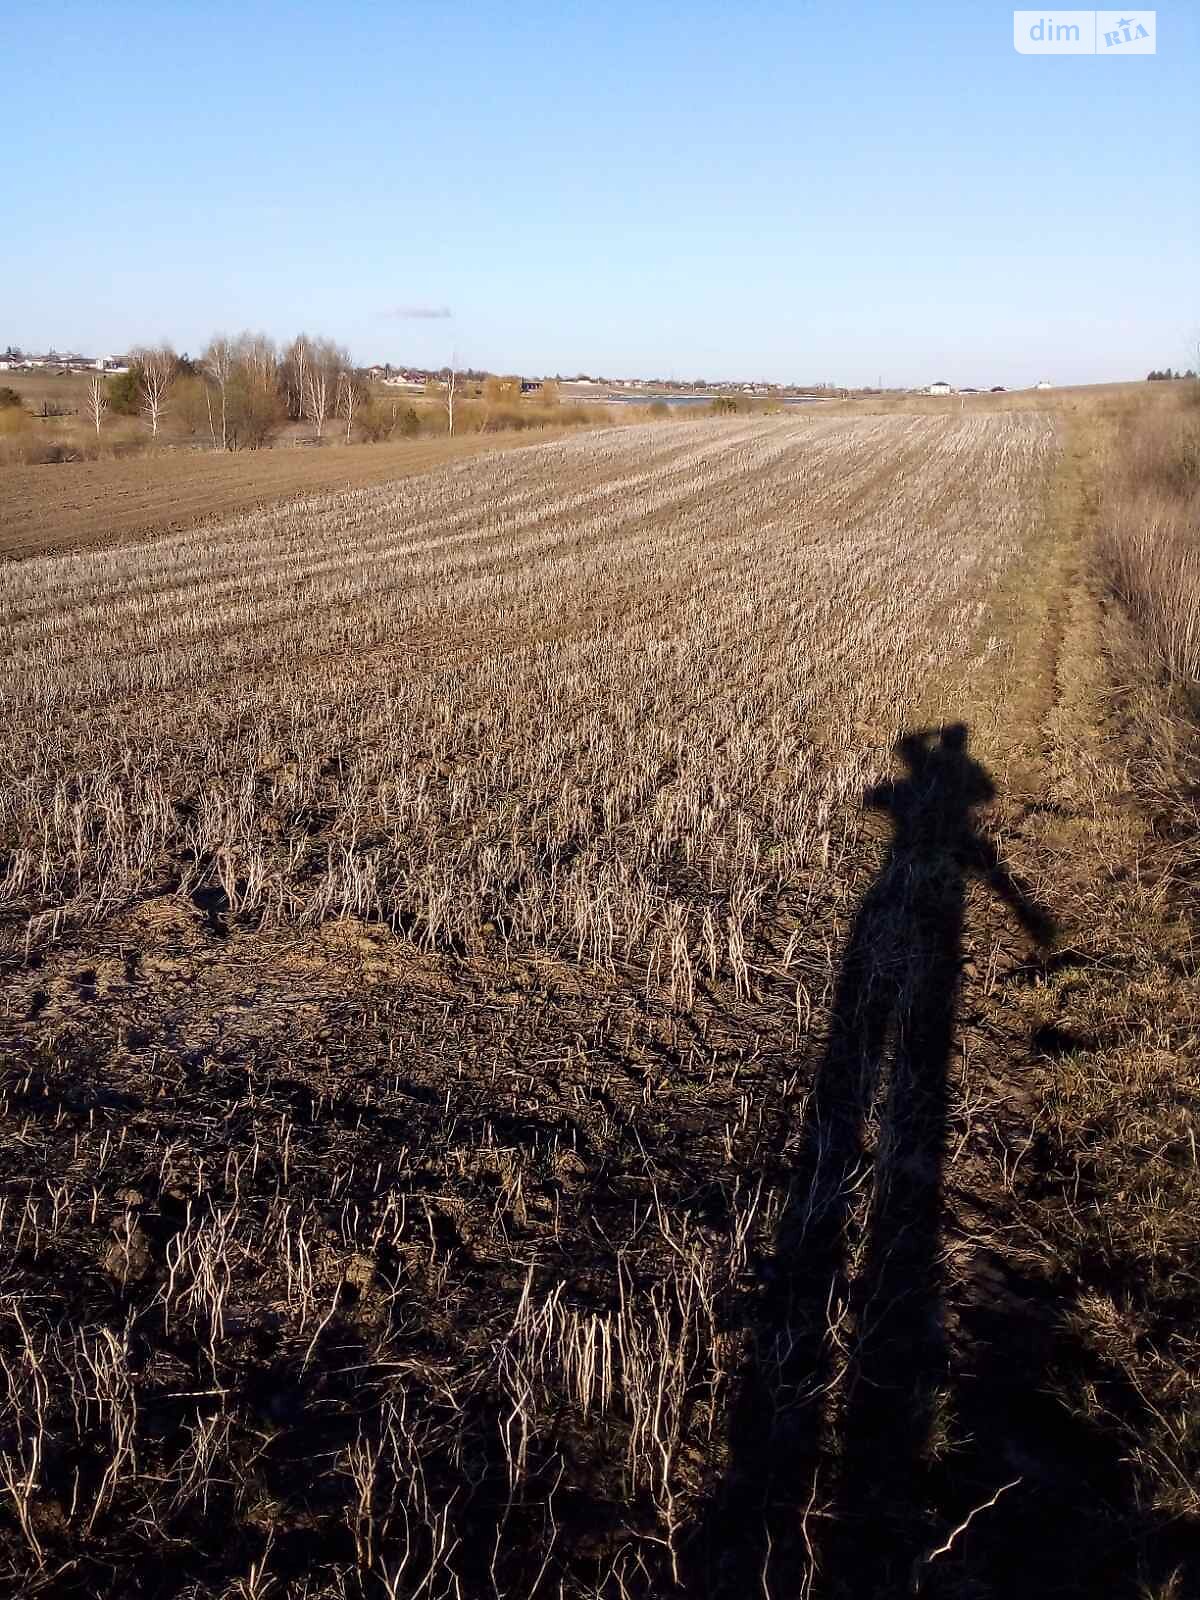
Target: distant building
531,386
939,387
61,360
1043,383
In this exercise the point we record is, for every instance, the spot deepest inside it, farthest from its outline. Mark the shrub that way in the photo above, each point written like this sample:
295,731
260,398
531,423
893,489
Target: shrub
255,409
497,419
378,419
125,393
24,445
502,391
190,405
10,399
14,420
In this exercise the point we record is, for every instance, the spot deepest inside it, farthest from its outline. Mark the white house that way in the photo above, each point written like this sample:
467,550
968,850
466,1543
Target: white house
1043,383
939,387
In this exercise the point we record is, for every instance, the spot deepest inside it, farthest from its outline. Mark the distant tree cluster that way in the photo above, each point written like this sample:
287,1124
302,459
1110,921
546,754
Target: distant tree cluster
1166,375
241,390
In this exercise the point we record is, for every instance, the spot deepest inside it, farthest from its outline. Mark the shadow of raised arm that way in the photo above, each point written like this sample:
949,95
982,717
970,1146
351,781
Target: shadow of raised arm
1036,921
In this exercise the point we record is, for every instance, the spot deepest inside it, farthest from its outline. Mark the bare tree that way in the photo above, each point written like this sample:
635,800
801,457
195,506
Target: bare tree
217,363
250,379
257,402
295,369
447,392
317,383
156,368
351,394
325,362
257,353
97,401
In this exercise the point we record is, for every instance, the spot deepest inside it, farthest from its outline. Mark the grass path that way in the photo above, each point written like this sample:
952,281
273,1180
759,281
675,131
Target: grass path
1071,1214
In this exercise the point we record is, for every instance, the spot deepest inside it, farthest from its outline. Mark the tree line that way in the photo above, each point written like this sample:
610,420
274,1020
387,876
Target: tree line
242,390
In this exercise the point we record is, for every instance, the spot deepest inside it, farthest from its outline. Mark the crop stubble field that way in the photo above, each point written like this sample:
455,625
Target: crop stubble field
93,504
422,914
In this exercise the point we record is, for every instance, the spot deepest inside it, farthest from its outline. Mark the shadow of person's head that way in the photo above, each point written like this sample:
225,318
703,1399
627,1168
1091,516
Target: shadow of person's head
942,777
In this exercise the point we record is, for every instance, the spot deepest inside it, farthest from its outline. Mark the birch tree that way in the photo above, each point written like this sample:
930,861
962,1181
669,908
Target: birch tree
351,394
447,392
97,401
295,365
217,362
317,382
325,363
156,369
258,354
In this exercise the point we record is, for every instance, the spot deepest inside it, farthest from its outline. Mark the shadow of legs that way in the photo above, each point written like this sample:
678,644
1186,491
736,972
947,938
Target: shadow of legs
897,1364
777,1438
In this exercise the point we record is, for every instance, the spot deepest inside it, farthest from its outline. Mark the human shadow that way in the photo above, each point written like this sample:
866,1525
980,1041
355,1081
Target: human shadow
831,1437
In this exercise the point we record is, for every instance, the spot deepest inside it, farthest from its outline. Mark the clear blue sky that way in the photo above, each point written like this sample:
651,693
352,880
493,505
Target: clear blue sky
788,189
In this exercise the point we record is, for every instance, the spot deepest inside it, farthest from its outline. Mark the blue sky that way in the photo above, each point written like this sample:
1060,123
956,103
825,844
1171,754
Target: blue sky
792,190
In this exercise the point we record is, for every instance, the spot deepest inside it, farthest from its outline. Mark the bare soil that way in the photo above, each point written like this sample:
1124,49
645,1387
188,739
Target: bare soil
77,505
